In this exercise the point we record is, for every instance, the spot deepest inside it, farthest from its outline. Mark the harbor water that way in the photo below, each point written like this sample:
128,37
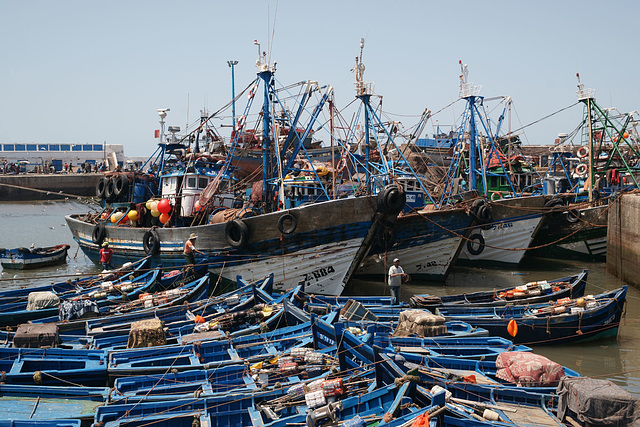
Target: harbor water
42,224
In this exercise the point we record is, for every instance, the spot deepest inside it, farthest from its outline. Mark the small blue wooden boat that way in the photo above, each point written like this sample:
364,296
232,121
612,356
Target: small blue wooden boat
125,288
73,286
528,293
207,354
481,374
40,423
227,409
485,348
285,370
27,258
53,366
32,402
559,323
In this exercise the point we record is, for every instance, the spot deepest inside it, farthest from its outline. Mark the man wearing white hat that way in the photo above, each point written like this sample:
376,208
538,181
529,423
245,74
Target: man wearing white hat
396,273
189,249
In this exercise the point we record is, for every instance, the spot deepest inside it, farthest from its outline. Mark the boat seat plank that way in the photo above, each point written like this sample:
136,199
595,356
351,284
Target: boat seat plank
530,416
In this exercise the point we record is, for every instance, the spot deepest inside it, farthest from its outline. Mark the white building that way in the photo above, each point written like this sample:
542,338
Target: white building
56,155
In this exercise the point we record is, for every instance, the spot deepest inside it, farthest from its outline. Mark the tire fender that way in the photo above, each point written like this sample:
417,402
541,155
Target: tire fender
109,189
292,224
99,234
237,233
121,185
391,199
151,242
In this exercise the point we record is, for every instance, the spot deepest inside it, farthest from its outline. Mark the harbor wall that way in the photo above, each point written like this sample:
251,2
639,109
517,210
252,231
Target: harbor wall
27,187
623,239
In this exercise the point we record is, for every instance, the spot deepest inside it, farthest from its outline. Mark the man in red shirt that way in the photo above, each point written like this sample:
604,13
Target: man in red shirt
105,256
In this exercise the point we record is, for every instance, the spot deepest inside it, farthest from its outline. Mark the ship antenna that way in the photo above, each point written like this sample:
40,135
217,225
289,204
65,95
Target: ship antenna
273,32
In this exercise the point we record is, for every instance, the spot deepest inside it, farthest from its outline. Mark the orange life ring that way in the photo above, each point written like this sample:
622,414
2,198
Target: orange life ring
583,152
496,196
581,169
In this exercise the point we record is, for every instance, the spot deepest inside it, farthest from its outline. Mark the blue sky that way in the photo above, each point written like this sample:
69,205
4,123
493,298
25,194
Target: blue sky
89,72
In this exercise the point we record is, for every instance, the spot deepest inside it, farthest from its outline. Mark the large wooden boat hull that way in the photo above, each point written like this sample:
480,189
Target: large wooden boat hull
505,240
426,242
576,233
325,232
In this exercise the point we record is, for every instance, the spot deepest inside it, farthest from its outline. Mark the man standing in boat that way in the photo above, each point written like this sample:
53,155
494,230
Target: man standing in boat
396,274
105,256
190,248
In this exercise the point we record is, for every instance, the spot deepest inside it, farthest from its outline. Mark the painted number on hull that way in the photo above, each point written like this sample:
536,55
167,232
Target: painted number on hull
426,266
502,226
318,274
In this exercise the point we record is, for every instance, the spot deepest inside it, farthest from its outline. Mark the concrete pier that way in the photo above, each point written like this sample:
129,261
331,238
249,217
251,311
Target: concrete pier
25,187
623,239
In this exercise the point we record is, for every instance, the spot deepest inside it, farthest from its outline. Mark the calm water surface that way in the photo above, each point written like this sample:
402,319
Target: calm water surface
616,359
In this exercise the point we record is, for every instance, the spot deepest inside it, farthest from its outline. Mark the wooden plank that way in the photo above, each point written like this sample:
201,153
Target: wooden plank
531,416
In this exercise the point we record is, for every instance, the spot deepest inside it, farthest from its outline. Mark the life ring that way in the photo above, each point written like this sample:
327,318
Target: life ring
391,199
581,170
121,185
109,189
99,233
237,233
151,242
583,152
100,187
472,239
291,220
496,196
572,216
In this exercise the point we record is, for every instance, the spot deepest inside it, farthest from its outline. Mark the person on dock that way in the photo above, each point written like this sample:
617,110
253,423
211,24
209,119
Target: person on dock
105,256
190,248
396,274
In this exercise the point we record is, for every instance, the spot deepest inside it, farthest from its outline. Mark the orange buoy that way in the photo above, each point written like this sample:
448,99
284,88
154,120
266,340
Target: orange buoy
512,328
199,319
420,421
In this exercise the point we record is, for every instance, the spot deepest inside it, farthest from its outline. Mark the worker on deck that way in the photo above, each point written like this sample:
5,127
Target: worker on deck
105,256
190,248
396,275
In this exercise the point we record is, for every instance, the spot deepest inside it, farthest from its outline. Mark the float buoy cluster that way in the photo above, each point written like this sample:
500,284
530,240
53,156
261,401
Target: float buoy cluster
160,209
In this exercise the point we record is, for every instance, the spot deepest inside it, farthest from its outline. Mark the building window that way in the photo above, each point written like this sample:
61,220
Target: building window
65,147
43,147
21,147
97,147
202,182
9,147
76,147
191,183
54,147
32,147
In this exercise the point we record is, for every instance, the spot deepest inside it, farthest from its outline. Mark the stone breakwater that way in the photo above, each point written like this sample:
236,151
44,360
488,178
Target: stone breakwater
28,187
